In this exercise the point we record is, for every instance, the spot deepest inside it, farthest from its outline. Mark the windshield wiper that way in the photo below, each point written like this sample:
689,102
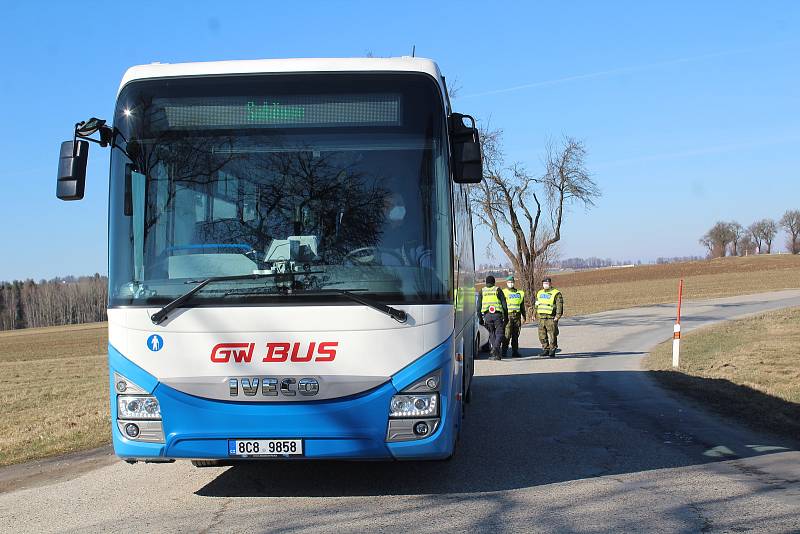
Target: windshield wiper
162,314
398,315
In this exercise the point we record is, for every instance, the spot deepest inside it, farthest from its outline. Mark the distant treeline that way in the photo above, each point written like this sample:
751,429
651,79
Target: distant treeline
731,238
590,263
678,259
60,301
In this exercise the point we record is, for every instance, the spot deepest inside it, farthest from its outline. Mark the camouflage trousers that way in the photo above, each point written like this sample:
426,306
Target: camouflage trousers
548,333
513,325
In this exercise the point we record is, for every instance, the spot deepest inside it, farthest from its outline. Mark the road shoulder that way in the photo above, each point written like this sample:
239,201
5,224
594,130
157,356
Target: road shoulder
53,470
742,369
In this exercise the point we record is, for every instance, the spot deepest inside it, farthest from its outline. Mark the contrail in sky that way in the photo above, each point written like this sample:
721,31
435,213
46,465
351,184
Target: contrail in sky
620,70
26,172
701,151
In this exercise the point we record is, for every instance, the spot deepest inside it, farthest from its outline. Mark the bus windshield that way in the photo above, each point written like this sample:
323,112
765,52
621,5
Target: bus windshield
326,181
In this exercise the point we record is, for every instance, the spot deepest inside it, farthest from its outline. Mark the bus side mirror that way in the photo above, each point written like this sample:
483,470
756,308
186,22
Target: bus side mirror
71,180
471,171
466,150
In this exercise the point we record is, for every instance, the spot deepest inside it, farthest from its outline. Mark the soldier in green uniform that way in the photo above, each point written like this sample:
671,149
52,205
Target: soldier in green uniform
515,300
549,308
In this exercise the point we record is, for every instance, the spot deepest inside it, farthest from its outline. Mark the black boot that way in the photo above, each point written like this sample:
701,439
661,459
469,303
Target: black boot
552,353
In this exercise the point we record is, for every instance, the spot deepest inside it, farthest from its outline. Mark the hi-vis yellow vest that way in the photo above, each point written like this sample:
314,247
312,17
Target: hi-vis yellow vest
513,299
546,301
490,299
460,292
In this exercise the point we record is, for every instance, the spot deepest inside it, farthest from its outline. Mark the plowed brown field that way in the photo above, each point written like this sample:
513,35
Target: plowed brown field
752,264
609,289
616,288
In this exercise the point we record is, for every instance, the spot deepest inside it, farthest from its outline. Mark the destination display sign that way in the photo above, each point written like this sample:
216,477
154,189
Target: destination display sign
283,111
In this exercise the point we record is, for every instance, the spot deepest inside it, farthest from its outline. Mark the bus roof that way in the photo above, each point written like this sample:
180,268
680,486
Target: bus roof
304,65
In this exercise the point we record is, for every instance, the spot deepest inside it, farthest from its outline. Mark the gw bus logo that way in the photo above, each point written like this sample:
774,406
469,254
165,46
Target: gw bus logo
276,352
271,386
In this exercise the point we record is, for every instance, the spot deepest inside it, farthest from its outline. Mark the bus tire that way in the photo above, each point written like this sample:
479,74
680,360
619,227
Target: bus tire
205,463
471,371
455,447
467,389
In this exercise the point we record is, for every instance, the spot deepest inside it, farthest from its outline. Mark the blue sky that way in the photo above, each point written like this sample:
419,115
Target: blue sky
690,111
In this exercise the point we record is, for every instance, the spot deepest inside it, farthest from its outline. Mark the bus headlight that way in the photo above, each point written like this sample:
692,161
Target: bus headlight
427,384
138,407
123,385
414,405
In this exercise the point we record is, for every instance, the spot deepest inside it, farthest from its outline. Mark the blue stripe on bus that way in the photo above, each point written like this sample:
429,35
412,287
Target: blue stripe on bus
349,428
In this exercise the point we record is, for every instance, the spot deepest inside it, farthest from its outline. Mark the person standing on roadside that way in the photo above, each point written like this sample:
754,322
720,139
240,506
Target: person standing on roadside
549,308
515,300
492,312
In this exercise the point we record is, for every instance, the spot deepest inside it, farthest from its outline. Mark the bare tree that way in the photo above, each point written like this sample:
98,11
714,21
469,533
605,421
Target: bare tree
747,246
737,232
755,234
763,233
532,208
11,307
550,256
708,243
791,223
454,88
717,239
769,229
53,302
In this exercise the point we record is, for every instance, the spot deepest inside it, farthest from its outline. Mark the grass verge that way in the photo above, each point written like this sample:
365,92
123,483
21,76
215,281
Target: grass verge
747,368
53,382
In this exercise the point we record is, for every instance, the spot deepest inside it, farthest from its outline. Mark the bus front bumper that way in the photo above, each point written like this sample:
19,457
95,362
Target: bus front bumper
351,428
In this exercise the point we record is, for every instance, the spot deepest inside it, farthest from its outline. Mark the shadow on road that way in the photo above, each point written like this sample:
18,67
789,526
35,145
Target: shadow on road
598,354
755,408
520,431
538,354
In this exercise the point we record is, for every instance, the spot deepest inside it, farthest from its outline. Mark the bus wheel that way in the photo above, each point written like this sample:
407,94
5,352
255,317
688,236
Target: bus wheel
205,463
455,443
471,370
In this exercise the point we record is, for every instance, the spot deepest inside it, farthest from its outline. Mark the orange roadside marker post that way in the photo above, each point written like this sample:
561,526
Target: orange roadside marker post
676,331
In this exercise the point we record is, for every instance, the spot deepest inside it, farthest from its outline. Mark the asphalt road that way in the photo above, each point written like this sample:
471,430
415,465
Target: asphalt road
584,443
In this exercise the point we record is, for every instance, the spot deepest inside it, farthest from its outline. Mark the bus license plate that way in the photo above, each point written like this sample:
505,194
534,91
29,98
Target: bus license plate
265,447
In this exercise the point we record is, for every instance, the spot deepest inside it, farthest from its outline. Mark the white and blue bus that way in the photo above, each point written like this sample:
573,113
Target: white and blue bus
291,270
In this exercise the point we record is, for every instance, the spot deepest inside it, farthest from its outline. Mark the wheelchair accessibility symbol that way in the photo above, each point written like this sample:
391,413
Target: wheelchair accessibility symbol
155,342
